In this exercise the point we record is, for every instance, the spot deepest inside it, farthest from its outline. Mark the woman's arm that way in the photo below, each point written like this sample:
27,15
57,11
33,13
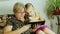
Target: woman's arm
8,29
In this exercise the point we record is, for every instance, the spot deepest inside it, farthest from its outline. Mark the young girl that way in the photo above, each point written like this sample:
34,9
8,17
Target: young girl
33,16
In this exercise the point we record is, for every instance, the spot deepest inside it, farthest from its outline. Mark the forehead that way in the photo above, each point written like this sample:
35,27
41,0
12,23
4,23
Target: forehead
30,6
20,10
30,9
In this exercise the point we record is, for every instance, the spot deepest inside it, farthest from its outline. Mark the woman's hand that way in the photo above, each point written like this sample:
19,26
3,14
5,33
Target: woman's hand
25,28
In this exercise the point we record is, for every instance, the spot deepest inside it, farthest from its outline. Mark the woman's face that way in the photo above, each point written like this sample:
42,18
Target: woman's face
20,13
30,11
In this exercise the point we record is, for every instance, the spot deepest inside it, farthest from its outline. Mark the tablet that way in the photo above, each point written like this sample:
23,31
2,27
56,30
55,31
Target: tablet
39,22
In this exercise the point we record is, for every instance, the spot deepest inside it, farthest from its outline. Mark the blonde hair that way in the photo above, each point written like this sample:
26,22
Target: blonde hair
28,5
17,7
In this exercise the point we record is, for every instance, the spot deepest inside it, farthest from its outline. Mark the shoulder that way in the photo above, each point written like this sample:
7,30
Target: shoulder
11,18
9,21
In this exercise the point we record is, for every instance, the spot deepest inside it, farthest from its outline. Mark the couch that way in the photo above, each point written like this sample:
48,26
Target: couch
3,19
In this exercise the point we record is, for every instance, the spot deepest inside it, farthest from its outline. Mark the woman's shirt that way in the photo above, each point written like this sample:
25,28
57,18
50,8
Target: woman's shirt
18,24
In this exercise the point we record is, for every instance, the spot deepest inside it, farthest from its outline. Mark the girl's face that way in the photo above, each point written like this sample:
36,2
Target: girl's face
30,11
20,13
